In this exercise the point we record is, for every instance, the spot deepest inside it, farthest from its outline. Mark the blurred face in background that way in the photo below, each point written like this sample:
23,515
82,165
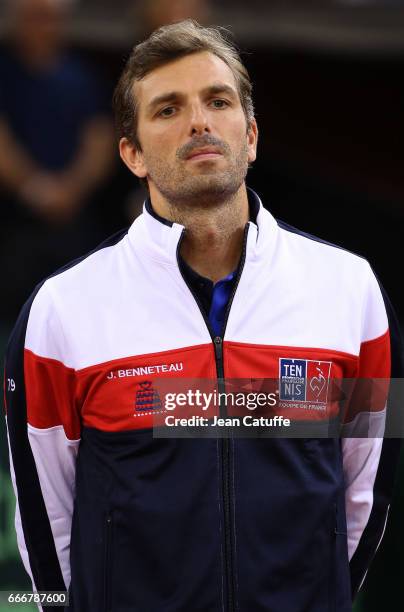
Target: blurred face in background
37,27
159,12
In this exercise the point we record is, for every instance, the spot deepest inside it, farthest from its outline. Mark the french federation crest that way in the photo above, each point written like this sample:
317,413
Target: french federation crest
304,380
146,397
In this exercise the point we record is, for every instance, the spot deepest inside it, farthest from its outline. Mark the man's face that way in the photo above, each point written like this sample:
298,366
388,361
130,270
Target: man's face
193,132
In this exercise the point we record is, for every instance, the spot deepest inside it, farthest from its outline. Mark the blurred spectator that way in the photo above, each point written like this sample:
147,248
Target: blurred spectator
156,13
56,147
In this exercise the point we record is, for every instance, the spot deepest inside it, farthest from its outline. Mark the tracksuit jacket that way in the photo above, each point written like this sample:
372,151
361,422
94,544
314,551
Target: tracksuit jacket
132,523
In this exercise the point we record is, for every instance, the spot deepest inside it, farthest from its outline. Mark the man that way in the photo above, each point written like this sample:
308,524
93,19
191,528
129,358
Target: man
201,287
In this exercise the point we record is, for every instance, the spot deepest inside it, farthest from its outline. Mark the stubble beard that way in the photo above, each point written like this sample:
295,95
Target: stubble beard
209,188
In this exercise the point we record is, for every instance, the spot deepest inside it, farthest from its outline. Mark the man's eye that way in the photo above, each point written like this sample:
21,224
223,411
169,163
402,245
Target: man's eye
167,112
219,103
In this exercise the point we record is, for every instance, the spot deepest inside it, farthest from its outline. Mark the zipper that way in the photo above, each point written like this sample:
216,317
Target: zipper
225,460
218,344
225,449
107,563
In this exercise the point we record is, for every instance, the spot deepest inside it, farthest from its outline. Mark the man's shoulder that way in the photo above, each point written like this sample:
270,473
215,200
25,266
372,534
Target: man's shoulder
323,265
84,273
71,292
314,245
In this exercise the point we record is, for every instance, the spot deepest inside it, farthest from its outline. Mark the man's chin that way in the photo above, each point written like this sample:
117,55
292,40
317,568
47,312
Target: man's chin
200,190
212,185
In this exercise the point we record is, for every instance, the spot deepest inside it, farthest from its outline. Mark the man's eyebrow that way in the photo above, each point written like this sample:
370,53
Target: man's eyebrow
167,97
171,96
219,88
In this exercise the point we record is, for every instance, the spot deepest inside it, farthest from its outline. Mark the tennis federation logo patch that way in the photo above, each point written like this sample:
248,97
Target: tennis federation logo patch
304,381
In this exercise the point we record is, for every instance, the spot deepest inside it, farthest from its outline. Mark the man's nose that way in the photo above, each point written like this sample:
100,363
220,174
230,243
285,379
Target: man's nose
199,120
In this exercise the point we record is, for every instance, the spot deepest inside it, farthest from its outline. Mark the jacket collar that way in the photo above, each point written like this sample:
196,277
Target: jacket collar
159,238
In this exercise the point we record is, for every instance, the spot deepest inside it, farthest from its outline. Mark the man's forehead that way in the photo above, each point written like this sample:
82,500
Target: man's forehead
192,73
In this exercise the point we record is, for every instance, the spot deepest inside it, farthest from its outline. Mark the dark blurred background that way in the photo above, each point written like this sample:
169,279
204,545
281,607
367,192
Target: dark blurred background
329,96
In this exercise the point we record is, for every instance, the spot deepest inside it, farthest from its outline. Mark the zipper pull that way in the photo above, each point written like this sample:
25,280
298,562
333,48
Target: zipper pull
218,340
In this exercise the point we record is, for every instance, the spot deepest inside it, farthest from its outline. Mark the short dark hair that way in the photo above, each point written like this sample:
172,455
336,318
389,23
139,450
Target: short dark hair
168,43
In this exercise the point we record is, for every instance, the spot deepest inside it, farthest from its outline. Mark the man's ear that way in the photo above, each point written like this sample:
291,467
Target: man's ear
132,157
252,140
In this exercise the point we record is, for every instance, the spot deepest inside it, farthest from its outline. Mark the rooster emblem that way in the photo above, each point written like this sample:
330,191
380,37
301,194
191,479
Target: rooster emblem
317,383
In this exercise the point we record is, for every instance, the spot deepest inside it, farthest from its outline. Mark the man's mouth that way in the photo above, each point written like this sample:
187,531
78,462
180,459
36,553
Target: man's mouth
205,153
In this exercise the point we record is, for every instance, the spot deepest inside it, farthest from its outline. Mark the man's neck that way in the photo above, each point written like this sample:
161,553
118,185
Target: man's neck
213,238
